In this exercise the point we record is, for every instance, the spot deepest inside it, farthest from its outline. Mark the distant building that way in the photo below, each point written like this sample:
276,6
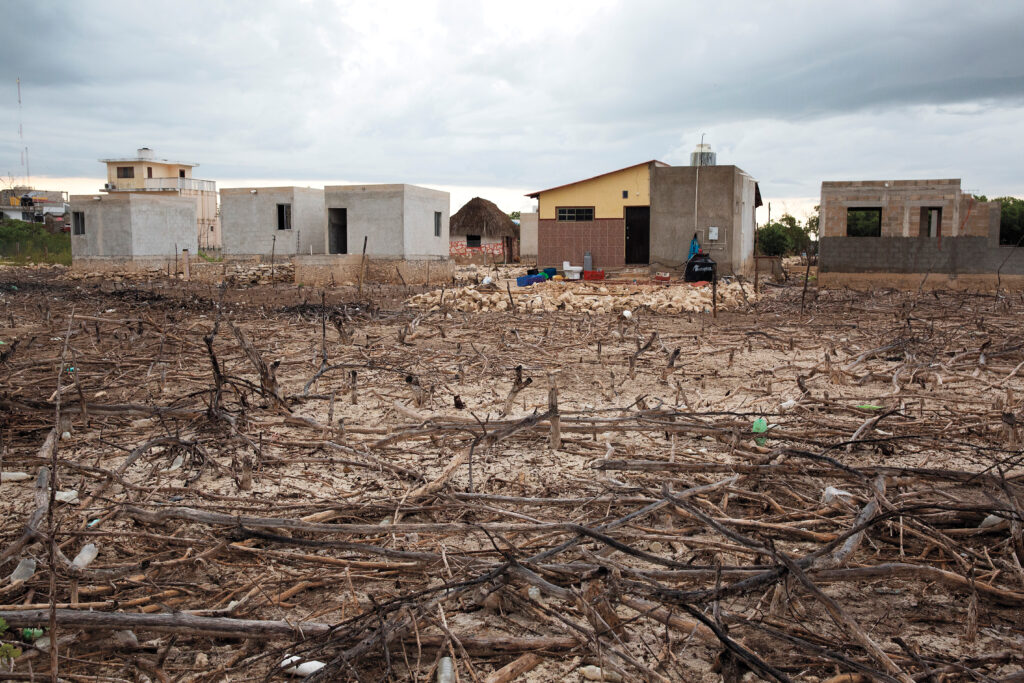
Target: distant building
404,229
283,221
646,214
480,232
34,206
145,173
131,230
528,236
912,233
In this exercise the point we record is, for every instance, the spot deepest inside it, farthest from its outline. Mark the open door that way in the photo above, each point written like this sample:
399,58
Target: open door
337,231
638,234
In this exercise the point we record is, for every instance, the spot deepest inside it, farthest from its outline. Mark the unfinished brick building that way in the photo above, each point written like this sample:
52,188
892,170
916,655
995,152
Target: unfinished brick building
901,233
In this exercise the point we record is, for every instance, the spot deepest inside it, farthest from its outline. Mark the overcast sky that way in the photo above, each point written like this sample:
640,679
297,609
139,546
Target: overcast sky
503,98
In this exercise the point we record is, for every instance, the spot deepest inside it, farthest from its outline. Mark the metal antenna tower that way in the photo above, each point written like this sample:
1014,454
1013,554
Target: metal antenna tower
24,147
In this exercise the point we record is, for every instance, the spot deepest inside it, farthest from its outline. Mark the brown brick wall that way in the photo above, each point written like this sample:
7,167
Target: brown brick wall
604,238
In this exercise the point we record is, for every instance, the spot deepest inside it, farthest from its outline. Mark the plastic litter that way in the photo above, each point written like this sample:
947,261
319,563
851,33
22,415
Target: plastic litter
627,314
596,673
989,521
14,476
30,635
869,406
445,671
831,494
292,667
85,556
66,496
487,280
791,403
760,426
24,571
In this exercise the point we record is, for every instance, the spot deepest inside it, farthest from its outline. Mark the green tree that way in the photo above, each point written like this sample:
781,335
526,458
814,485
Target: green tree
772,240
1011,221
514,215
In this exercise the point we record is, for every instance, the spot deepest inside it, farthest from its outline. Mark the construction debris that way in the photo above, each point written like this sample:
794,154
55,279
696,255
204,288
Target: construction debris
579,297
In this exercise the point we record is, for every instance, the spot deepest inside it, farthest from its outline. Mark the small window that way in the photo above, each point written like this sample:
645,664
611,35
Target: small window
576,214
149,171
125,171
437,224
77,222
472,241
181,173
864,222
625,194
284,216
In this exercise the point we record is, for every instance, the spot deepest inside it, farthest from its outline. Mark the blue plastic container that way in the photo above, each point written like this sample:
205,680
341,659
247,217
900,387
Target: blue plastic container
551,272
527,280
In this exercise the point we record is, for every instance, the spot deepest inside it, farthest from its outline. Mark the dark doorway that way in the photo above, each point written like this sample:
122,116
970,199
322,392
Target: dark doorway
931,221
638,234
337,231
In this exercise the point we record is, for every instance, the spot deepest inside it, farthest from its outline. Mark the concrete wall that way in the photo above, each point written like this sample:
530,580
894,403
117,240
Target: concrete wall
374,212
420,205
725,199
900,201
397,220
249,221
528,235
133,226
967,245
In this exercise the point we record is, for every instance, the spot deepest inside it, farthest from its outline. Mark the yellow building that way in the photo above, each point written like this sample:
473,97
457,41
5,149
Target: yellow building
145,173
647,214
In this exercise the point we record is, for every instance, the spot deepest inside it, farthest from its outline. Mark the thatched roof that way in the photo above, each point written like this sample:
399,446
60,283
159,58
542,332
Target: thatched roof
484,218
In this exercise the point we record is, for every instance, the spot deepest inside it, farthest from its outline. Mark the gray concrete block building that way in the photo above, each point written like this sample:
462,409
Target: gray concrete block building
398,221
715,202
130,230
405,228
909,233
284,221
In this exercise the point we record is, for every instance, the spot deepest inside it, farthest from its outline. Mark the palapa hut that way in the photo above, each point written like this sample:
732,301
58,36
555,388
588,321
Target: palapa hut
480,232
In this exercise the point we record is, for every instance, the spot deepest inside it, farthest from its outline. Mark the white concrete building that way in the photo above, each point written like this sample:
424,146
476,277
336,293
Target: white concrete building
283,221
130,230
405,229
398,221
145,173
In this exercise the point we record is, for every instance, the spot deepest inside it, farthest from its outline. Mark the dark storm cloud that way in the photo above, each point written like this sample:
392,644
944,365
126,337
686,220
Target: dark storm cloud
528,96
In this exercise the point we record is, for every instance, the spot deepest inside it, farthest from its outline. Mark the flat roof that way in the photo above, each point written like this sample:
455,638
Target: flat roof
122,160
601,175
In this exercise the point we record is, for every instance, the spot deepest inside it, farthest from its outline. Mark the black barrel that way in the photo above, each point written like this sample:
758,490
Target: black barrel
699,269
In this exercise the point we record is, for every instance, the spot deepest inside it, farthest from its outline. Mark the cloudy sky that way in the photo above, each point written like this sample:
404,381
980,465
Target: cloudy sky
500,98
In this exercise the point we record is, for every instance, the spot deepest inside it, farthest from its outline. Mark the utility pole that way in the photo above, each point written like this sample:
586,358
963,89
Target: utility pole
696,184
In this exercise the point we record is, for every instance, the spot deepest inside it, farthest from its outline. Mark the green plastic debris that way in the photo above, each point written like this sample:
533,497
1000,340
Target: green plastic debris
869,406
30,635
760,426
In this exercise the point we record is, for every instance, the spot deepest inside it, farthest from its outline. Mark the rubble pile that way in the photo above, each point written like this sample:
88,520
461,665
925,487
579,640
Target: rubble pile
585,298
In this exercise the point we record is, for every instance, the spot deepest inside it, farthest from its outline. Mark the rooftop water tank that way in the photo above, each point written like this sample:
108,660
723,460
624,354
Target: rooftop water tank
146,153
702,156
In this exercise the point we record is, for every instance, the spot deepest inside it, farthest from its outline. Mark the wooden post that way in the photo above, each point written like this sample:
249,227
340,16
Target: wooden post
362,265
273,248
555,440
714,290
185,264
807,276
